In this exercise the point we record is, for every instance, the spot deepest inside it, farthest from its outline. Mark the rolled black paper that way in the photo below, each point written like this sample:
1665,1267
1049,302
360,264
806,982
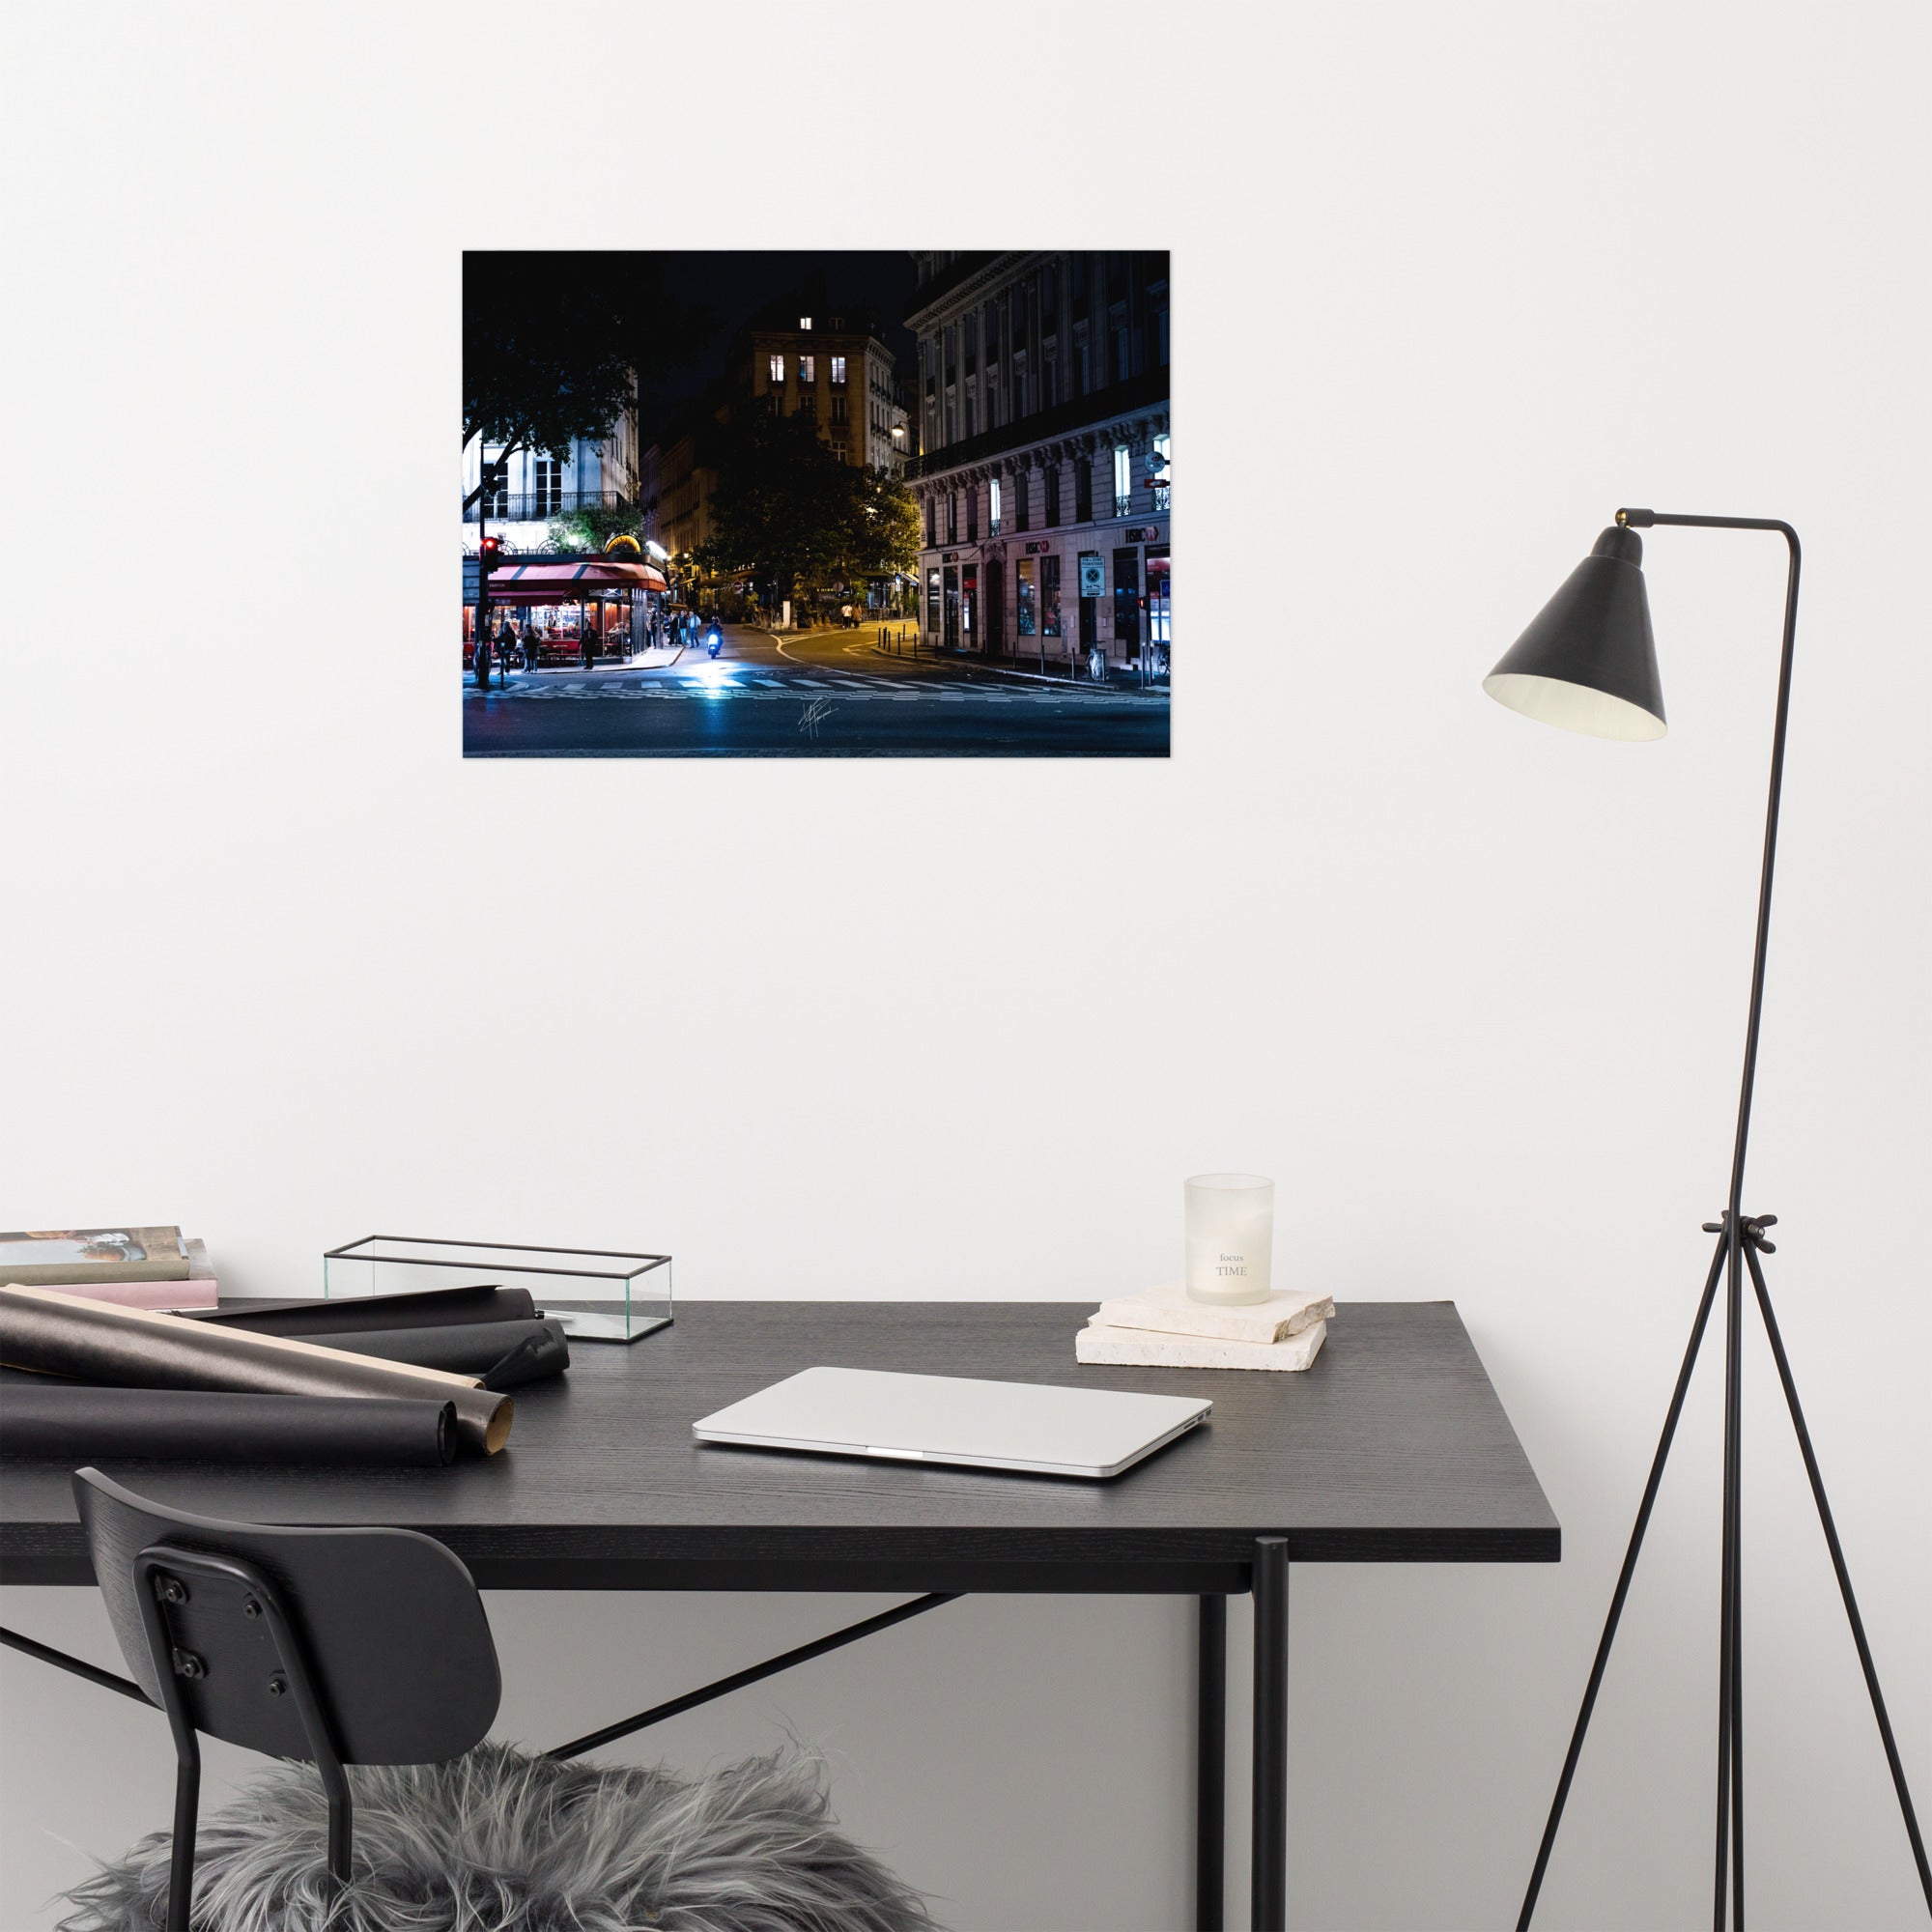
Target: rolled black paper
138,1347
466,1347
69,1423
363,1314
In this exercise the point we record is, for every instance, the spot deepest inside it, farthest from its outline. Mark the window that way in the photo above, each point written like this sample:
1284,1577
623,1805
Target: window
1082,490
1049,597
838,450
779,371
993,504
953,516
1159,473
546,486
992,336
972,513
1050,516
495,480
972,403
1121,363
839,408
930,539
838,372
1022,491
1081,373
804,322
1163,335
971,340
1029,608
1049,385
1123,480
808,370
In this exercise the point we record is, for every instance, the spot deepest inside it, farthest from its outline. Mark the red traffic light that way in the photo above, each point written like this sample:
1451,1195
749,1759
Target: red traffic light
490,552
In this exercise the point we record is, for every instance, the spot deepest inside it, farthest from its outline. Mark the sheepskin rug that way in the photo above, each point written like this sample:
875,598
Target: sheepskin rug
496,1841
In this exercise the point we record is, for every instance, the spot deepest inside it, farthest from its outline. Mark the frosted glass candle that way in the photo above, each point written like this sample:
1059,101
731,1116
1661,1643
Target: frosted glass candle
1230,1238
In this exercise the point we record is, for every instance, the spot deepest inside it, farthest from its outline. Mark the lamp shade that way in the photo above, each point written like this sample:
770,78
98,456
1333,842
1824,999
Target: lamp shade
1588,662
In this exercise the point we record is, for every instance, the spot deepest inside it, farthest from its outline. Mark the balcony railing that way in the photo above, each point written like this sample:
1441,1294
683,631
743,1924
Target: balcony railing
1116,400
1124,506
537,506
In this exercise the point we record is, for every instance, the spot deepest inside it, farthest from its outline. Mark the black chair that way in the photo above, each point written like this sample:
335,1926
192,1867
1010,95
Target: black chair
329,1646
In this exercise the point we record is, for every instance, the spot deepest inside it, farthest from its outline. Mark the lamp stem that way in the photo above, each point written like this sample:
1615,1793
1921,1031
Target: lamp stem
1642,519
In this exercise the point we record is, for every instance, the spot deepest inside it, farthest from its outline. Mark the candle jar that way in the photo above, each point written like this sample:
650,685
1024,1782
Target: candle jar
1230,1238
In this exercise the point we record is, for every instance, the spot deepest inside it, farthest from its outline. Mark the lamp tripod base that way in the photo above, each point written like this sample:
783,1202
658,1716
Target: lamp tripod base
1741,1240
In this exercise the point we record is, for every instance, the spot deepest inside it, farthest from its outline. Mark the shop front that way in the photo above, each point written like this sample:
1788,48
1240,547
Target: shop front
568,610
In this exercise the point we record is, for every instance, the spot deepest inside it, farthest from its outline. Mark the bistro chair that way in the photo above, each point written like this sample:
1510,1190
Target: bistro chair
370,1647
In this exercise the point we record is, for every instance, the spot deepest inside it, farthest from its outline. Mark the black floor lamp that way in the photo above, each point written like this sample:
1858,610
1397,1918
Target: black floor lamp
1587,663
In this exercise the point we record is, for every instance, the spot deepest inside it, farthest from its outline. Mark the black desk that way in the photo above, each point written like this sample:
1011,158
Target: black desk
1391,1448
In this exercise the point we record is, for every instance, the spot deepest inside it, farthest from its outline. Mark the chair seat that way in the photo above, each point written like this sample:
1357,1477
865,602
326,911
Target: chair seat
499,1841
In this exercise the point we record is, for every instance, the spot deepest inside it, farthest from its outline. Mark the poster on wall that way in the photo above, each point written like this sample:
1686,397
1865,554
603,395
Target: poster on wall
874,503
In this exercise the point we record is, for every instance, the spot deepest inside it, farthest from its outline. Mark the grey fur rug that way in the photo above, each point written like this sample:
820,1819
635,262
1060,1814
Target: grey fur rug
499,1842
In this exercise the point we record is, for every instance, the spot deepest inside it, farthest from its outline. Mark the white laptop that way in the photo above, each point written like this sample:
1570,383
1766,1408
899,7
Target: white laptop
1038,1431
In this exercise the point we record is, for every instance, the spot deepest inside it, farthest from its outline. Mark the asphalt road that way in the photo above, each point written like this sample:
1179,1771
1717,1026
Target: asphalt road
829,695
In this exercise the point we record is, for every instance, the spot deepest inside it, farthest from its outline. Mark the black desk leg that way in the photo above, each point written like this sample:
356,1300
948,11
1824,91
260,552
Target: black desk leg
1210,1768
1269,1894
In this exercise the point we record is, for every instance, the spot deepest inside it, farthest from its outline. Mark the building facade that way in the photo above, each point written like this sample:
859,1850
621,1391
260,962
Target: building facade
840,377
532,487
1044,474
798,362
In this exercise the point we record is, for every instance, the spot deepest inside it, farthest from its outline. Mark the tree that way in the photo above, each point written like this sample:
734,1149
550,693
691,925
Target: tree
554,347
884,536
590,526
782,508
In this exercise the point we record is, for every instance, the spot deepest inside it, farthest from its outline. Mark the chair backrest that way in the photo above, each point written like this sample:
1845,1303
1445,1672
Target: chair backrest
391,1633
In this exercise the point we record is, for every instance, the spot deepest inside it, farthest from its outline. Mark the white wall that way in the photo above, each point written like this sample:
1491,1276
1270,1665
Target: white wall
1452,284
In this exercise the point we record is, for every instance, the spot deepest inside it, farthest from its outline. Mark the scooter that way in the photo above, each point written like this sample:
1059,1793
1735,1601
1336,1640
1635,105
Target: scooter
714,641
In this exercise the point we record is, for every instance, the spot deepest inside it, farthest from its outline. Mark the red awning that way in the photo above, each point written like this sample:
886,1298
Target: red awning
566,582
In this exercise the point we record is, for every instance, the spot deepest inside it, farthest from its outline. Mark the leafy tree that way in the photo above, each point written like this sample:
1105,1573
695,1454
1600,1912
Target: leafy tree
884,528
555,345
782,506
593,526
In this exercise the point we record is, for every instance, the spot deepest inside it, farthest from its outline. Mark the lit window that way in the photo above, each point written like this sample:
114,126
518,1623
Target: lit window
1123,479
994,509
804,366
838,372
805,322
777,369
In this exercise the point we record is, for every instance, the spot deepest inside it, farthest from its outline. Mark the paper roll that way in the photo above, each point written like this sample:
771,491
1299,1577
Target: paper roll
365,1314
71,1423
466,1347
136,1347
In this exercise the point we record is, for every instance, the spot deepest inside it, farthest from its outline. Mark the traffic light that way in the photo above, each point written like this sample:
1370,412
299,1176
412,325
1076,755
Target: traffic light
488,554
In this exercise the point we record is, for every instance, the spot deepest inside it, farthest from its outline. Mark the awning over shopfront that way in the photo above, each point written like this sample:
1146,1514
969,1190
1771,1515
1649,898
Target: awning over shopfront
568,582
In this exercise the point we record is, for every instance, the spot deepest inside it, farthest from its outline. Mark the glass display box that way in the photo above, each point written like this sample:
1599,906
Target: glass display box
598,1295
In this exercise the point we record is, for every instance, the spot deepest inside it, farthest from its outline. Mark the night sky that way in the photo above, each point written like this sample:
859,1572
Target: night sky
734,284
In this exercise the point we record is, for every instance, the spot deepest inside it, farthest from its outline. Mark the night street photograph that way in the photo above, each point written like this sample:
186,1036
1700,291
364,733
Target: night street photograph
827,504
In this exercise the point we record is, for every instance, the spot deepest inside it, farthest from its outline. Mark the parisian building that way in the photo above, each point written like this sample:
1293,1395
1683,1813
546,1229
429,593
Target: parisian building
1044,478
827,366
531,487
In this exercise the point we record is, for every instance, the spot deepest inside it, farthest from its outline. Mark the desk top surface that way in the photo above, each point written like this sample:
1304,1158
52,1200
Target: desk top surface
1392,1447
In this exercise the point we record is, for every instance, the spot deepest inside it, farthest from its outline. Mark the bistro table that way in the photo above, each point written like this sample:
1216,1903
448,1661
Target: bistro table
1392,1447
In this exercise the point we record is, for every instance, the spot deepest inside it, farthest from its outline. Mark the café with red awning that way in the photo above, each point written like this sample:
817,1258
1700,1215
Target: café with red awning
604,599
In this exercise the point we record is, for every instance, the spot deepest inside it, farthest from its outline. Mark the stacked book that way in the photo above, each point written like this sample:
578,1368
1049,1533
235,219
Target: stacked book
1163,1328
132,1267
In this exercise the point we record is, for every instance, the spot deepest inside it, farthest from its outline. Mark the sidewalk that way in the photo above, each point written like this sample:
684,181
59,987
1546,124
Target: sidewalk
654,659
1016,667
